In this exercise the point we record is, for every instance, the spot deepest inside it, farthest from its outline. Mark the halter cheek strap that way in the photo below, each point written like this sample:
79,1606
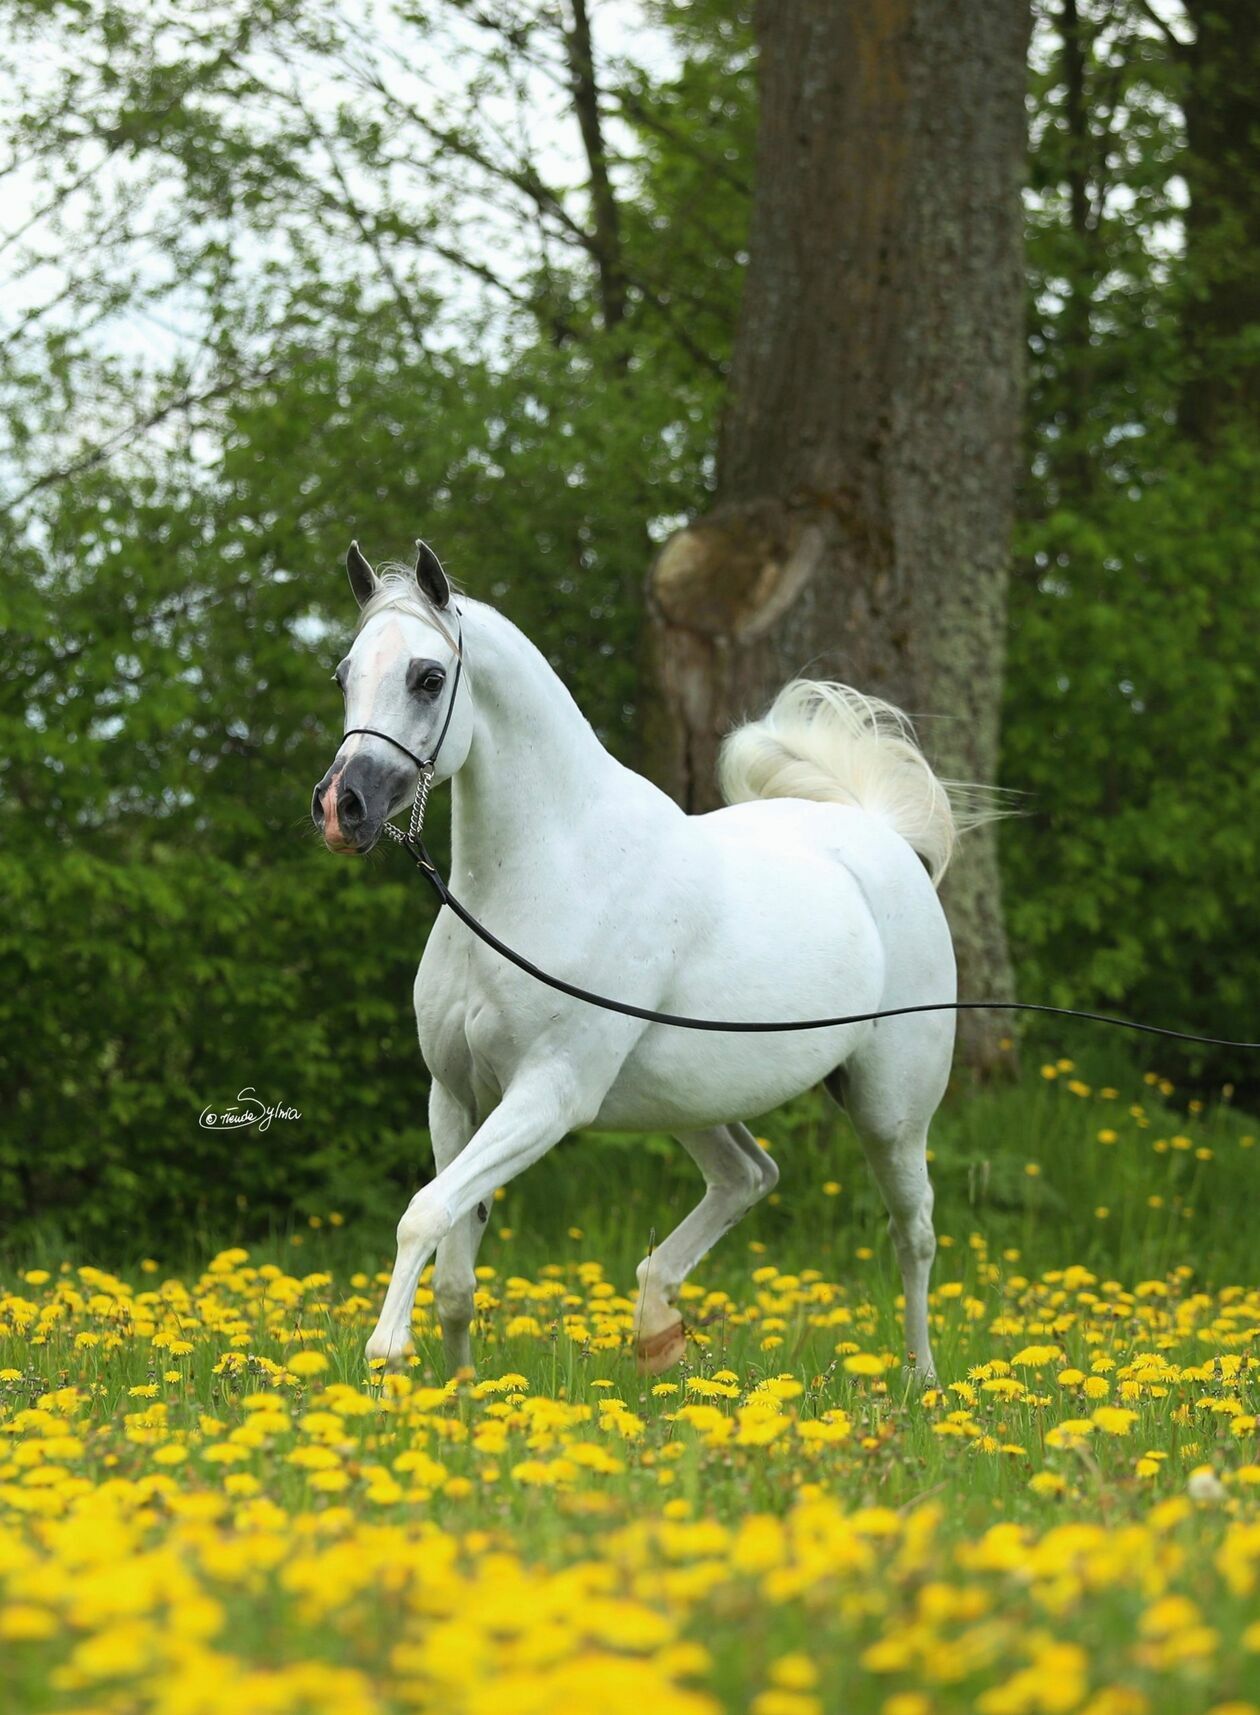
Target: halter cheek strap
427,764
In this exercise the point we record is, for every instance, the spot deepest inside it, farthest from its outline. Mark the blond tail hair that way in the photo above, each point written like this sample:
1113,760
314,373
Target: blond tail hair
829,743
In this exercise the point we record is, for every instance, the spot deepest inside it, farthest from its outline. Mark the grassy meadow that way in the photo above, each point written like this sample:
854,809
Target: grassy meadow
207,1505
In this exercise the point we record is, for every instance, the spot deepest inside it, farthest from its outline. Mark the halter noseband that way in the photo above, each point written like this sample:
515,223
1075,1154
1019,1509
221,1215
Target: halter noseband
426,765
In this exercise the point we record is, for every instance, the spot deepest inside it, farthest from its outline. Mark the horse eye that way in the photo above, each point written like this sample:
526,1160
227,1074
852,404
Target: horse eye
424,678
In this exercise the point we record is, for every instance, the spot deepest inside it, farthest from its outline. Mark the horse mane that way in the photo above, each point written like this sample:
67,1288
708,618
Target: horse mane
397,591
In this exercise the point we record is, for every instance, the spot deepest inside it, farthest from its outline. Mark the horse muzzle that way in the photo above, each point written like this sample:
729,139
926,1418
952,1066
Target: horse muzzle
352,802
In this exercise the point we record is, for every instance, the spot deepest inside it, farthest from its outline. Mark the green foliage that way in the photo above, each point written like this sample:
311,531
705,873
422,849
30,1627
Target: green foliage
172,936
1132,701
1138,743
1106,145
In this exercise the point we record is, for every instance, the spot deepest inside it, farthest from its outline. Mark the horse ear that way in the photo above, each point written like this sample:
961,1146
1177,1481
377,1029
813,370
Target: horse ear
430,576
362,577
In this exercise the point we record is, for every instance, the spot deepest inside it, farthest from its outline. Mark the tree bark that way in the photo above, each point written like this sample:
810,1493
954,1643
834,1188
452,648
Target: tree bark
1222,170
868,457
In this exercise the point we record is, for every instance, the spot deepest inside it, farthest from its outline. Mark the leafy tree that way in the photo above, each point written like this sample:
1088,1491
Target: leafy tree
1132,698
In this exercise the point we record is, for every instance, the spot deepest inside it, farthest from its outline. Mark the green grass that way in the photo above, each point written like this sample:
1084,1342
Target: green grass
620,1191
531,1549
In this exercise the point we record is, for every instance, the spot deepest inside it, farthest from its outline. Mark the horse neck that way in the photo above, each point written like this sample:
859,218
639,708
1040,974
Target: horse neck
534,758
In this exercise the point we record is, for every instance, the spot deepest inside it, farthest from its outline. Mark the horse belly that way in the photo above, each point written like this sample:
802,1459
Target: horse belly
659,1090
812,952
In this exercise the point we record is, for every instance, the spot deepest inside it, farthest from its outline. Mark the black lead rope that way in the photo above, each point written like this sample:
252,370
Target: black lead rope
413,844
419,854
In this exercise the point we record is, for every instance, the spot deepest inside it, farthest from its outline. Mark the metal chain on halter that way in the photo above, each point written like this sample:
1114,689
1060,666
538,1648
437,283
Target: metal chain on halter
420,803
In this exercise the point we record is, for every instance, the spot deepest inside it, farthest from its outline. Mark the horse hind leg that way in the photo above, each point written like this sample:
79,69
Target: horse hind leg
737,1173
890,1091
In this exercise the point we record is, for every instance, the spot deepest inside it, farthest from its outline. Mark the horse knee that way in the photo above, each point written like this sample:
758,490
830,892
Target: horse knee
652,1276
425,1223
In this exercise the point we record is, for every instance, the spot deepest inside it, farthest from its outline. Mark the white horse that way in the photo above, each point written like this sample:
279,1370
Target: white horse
812,895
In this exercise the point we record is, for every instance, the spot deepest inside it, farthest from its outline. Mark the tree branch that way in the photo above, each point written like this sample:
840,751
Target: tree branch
638,111
521,177
606,249
366,230
125,437
368,225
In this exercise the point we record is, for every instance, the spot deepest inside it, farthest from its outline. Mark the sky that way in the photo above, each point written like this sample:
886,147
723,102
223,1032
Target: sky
535,116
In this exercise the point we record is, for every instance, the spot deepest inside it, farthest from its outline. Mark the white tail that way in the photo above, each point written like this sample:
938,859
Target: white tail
829,743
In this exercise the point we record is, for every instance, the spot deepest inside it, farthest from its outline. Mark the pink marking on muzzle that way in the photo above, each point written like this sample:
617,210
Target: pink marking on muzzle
334,839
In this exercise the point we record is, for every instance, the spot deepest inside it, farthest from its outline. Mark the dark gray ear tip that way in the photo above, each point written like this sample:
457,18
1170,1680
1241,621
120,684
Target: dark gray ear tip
362,577
431,575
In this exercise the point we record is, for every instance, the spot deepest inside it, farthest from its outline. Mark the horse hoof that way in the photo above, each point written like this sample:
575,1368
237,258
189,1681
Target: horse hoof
663,1350
384,1360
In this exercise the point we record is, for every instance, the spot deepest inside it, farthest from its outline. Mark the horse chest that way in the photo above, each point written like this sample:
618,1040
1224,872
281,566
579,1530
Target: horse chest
473,1039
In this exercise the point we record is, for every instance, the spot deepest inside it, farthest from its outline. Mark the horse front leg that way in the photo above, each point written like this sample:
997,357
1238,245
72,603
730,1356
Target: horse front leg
737,1173
451,1127
533,1115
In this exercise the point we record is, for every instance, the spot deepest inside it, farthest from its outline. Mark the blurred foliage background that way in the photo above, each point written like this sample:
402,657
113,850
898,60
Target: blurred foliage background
278,274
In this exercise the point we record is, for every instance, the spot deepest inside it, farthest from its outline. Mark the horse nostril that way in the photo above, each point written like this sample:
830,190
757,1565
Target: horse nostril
317,806
350,807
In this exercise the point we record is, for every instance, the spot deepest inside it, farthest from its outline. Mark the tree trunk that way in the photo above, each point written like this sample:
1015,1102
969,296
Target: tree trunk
868,458
1222,170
